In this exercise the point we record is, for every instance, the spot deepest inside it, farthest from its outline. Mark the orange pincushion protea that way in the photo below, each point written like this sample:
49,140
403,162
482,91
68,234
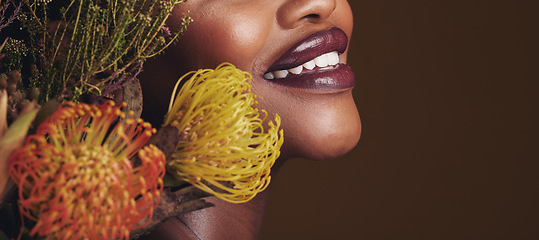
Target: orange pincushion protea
75,178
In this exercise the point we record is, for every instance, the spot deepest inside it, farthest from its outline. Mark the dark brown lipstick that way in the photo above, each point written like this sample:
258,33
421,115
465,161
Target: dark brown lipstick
328,73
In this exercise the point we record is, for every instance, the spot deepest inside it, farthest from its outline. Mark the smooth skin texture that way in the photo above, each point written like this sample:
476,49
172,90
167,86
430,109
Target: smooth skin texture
252,35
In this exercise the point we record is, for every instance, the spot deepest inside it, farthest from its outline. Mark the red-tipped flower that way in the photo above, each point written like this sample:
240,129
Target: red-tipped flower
76,179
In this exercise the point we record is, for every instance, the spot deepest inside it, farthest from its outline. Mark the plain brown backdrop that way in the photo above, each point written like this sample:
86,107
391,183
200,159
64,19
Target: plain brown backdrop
447,92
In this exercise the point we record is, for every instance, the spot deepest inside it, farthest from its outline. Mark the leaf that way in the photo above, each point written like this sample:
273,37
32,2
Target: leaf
12,139
46,110
17,130
132,95
171,181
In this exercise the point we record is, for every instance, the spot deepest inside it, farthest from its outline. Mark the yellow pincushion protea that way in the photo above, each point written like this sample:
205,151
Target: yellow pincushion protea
224,147
75,178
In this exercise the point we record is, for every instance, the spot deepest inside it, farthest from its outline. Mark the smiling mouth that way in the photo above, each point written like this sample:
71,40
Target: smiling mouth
322,61
313,63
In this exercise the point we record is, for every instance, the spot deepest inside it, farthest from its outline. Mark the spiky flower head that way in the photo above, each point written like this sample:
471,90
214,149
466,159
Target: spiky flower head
76,179
225,147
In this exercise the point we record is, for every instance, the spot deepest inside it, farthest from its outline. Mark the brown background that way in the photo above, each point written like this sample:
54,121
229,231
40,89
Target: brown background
447,92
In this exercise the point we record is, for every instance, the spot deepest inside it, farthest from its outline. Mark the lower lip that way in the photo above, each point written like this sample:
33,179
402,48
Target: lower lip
339,77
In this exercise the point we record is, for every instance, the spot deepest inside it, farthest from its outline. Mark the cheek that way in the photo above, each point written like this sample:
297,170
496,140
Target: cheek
344,17
214,38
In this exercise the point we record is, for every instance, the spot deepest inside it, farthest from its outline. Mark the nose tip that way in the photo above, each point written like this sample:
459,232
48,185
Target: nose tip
293,13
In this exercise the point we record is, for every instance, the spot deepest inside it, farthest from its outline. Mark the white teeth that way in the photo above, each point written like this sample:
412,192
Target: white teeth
309,65
269,76
280,73
324,60
296,70
327,59
333,59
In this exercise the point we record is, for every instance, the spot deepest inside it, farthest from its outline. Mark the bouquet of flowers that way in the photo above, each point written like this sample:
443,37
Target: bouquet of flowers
77,161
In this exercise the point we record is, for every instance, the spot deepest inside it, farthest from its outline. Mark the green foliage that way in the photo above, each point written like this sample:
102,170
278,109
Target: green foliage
15,50
88,46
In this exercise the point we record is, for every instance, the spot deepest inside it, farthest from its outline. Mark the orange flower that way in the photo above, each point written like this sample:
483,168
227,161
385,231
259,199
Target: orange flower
75,178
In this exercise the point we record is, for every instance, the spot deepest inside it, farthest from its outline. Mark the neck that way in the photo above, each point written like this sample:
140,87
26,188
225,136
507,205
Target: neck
231,220
223,221
228,220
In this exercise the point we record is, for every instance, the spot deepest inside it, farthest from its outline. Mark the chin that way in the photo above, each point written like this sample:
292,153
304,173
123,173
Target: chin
330,147
323,143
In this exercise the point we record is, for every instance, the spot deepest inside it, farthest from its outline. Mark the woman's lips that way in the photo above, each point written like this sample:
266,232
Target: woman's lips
314,63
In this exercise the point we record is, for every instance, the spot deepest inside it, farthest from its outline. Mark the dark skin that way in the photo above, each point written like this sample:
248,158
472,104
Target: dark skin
252,34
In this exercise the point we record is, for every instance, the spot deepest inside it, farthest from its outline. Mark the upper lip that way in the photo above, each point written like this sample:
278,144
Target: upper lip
330,40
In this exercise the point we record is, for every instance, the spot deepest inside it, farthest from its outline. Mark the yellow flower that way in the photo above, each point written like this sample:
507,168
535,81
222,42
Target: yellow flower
75,178
224,147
